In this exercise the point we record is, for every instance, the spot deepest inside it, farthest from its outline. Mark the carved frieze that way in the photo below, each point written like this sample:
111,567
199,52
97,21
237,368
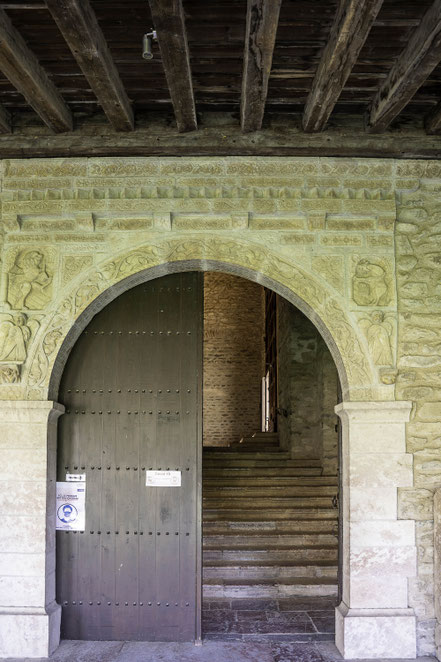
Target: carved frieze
73,265
378,330
29,280
371,282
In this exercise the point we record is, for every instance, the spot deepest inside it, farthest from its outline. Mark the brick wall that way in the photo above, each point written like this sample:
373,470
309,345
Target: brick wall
307,386
233,357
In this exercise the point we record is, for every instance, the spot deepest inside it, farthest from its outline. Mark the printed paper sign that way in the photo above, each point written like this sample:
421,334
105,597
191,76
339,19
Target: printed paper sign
70,506
76,478
163,479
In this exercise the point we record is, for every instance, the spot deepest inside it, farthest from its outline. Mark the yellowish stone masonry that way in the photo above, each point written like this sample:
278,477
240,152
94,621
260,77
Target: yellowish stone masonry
355,244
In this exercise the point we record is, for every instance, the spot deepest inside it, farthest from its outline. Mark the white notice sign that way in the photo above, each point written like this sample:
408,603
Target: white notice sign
76,478
163,479
70,509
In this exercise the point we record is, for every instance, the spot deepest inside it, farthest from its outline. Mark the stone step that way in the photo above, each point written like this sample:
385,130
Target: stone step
243,514
251,462
259,472
211,482
239,502
228,453
287,541
270,527
240,491
253,447
293,587
271,555
225,570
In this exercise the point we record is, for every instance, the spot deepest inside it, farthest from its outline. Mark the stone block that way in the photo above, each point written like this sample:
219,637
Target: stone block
347,224
415,504
372,503
381,470
29,632
382,533
374,634
378,438
16,591
341,239
372,591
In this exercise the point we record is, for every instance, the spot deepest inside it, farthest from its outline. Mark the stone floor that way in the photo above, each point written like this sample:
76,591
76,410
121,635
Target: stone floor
211,651
297,620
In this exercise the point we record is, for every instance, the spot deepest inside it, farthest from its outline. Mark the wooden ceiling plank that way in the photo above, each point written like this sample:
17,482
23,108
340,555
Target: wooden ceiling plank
22,68
169,23
349,32
415,64
261,28
78,24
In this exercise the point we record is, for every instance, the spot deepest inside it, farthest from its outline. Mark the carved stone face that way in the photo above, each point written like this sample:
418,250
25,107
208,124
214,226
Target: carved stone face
365,269
20,319
377,317
33,259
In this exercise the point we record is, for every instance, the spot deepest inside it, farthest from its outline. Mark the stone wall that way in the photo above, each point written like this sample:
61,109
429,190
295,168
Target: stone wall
307,389
74,232
418,245
233,358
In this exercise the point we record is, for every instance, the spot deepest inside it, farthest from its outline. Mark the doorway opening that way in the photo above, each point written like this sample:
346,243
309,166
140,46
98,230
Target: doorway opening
270,468
197,372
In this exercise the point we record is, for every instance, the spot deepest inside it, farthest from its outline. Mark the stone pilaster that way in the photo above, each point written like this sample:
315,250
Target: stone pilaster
29,615
437,569
379,552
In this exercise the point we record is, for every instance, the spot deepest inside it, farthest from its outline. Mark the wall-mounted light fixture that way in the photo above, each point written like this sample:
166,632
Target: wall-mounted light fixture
147,42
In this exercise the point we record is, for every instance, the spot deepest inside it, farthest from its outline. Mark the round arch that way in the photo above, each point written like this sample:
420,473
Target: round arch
92,291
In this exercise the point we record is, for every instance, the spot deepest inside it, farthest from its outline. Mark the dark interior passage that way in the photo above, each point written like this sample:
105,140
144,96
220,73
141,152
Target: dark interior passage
270,498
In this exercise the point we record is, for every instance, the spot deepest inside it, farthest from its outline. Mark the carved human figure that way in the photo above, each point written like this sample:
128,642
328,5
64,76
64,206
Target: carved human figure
29,282
378,334
9,374
369,285
14,337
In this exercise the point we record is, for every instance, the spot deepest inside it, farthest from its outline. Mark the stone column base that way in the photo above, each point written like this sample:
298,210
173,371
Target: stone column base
29,632
375,633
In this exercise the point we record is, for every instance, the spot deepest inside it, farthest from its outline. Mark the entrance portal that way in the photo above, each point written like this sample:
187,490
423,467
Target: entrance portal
132,393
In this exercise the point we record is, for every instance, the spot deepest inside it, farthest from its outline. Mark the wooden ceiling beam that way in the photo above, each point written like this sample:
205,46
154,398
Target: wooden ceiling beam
78,24
169,23
261,28
349,32
433,121
5,121
22,68
415,64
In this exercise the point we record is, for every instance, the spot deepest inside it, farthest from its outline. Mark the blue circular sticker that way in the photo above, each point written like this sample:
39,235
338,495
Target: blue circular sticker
67,513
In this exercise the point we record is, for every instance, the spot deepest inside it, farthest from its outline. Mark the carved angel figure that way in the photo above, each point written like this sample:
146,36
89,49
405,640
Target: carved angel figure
378,332
29,283
15,334
369,286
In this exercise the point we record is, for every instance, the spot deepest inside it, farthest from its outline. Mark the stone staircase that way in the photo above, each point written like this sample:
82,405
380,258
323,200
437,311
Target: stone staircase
270,524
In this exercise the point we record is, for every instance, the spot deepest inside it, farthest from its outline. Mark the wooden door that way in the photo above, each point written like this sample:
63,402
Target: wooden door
132,391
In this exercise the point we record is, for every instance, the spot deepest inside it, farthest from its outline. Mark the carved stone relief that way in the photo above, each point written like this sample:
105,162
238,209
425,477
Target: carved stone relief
15,333
29,284
378,331
371,283
331,268
73,265
245,254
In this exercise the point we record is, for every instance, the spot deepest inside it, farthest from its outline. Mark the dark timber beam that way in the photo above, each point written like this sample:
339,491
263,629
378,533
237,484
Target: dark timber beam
169,22
351,27
22,68
77,22
5,121
433,121
261,29
415,64
221,137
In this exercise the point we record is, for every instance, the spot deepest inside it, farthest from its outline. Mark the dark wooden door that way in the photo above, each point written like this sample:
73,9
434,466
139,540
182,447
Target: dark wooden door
271,355
132,391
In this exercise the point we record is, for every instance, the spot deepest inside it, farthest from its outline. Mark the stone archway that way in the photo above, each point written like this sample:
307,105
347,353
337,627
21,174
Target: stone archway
92,290
379,551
